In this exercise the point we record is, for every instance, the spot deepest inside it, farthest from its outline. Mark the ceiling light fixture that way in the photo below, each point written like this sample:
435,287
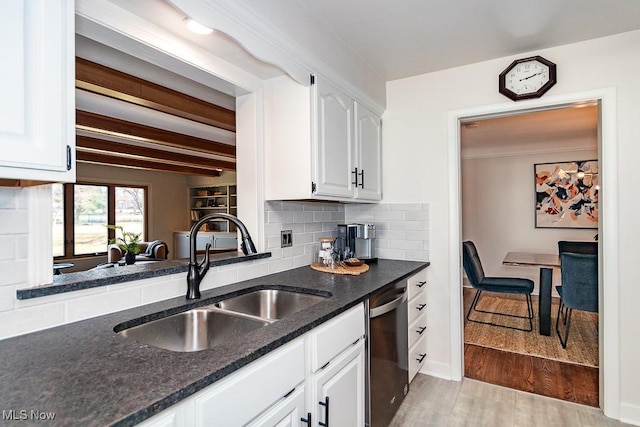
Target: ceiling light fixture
196,27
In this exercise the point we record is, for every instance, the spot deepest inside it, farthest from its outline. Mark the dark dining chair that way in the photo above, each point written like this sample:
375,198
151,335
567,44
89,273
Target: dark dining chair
505,285
579,289
590,248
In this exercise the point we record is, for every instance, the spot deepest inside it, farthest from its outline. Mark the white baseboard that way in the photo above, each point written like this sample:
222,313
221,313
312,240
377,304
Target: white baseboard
630,414
436,369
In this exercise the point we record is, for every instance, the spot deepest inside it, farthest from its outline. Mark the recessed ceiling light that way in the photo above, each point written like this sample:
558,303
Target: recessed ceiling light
196,27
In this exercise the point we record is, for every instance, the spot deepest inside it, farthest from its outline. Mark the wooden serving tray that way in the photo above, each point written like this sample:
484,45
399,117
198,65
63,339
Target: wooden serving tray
341,268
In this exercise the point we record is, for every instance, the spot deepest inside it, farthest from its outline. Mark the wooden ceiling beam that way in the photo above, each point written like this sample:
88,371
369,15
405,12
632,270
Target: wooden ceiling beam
116,160
106,81
151,153
109,125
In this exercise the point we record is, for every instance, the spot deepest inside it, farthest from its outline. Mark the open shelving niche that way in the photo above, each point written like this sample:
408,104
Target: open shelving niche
215,198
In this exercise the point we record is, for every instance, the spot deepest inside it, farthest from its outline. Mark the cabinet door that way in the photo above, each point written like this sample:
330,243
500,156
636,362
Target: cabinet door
37,108
369,154
334,138
243,396
338,390
287,413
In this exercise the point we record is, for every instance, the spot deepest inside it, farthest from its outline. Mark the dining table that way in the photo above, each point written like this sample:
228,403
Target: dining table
546,262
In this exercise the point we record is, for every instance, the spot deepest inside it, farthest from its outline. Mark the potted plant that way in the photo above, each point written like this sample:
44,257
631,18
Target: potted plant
128,242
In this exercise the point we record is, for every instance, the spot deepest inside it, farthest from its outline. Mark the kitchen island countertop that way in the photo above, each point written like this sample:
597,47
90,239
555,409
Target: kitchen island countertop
86,374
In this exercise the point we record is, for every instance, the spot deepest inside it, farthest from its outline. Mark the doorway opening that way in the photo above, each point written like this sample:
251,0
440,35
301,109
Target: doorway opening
608,328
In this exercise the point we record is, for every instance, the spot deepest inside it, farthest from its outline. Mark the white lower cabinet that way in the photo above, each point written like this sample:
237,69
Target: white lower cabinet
337,391
288,413
284,387
417,306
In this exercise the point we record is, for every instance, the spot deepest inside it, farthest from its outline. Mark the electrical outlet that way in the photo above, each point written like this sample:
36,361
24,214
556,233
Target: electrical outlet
286,238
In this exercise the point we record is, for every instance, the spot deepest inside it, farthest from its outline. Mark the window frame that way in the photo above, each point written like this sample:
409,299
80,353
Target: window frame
68,216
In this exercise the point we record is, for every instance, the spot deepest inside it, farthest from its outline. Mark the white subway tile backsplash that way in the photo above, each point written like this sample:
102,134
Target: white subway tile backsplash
280,265
7,297
13,222
402,229
7,247
322,216
279,216
13,272
30,319
254,270
8,197
392,254
417,255
97,305
273,206
303,216
312,226
402,234
291,206
390,234
163,290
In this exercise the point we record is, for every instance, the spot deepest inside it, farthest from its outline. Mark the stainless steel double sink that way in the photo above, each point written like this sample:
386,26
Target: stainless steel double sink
205,327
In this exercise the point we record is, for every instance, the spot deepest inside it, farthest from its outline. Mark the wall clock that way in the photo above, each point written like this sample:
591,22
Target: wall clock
527,78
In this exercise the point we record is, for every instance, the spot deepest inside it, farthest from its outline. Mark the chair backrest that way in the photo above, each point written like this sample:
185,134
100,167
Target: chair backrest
472,264
590,248
580,281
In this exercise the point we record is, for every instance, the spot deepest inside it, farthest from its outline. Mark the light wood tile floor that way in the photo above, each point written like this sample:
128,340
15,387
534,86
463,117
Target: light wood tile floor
437,402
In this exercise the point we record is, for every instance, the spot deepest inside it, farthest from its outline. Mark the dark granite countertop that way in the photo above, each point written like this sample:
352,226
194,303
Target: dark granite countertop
119,274
88,375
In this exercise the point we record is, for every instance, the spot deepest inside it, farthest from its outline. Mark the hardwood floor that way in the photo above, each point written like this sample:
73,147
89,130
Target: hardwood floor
560,380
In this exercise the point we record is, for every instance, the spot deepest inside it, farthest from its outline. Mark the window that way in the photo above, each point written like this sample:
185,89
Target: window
81,211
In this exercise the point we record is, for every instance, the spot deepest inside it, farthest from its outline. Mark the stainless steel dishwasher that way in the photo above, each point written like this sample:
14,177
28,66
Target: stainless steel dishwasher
387,354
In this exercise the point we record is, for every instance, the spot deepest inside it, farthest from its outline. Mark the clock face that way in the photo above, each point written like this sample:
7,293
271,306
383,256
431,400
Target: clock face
527,78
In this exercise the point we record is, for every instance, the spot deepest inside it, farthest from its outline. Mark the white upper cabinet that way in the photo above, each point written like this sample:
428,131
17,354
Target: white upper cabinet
37,108
368,153
335,140
320,144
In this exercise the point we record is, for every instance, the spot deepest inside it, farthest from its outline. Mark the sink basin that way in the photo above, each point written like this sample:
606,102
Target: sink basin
193,330
271,304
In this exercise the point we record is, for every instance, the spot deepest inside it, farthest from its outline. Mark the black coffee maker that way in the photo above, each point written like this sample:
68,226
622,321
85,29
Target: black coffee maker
357,240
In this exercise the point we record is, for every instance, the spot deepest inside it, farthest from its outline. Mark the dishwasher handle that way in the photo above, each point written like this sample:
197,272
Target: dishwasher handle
391,305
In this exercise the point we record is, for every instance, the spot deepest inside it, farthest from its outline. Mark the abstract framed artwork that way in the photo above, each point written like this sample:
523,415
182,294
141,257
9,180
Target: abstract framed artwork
567,194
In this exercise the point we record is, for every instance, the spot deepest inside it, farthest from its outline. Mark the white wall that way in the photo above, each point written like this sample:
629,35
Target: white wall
416,123
498,196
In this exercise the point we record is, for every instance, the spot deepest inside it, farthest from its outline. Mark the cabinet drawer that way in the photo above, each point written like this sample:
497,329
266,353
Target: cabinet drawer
417,306
417,356
417,329
261,384
417,283
329,339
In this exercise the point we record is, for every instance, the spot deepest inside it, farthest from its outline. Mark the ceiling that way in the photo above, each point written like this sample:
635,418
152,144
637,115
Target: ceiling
410,37
405,38
562,129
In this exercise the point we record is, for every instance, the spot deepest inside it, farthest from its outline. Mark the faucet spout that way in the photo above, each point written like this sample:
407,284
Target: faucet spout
197,271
